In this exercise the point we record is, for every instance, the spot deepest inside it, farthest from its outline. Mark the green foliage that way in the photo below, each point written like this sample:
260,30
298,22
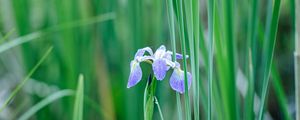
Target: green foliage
98,38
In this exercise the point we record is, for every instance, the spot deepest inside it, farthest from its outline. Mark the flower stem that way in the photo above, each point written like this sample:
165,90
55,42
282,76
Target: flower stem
149,98
159,109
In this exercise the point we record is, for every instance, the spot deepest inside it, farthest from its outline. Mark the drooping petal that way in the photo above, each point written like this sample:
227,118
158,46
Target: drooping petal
142,51
144,58
135,74
160,52
177,80
160,68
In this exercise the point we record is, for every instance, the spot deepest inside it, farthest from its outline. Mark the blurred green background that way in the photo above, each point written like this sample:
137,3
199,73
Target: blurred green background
99,38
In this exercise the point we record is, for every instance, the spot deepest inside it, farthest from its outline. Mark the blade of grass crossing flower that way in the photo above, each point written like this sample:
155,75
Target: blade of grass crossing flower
46,101
183,49
17,89
191,39
78,104
210,10
171,16
268,51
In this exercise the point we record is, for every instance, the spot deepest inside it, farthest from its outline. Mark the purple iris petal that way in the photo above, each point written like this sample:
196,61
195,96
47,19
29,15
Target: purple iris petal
135,74
177,80
160,68
160,52
142,51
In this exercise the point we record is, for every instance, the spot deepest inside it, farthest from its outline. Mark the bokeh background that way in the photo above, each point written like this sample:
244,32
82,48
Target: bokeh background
99,38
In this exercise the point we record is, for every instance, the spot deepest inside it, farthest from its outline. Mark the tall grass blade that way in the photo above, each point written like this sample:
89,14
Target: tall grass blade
251,61
297,60
183,49
17,89
171,18
210,10
46,101
78,104
268,51
276,80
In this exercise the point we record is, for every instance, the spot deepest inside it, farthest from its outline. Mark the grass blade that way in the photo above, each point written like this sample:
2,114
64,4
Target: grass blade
210,56
171,16
268,51
183,49
251,61
297,60
17,89
78,104
46,101
38,34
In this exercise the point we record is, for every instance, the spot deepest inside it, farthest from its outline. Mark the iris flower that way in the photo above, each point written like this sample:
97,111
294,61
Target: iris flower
161,62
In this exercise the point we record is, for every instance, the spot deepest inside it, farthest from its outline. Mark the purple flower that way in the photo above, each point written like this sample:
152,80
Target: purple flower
177,79
135,69
161,62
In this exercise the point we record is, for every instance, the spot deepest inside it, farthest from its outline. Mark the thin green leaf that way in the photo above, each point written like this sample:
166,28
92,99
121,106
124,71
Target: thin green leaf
46,101
268,50
171,18
17,89
78,104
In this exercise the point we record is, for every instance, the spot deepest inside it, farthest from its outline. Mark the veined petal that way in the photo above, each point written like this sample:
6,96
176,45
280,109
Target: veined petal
160,68
177,80
142,51
170,63
160,52
135,74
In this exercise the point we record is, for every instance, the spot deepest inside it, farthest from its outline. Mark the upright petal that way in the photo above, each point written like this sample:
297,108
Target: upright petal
160,68
177,80
142,51
160,52
135,74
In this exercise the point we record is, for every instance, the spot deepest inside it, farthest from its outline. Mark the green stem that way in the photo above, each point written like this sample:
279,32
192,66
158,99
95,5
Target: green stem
149,98
158,107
